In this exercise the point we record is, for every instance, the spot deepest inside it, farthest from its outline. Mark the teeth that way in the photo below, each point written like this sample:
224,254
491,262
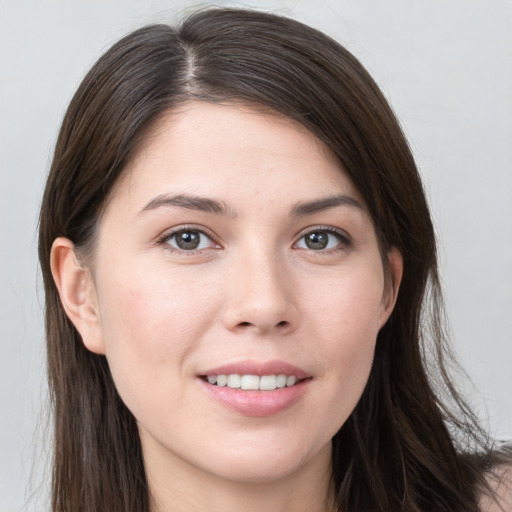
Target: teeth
250,382
268,382
234,381
253,382
281,381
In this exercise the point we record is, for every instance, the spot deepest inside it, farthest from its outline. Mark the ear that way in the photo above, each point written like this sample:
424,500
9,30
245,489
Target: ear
395,270
77,293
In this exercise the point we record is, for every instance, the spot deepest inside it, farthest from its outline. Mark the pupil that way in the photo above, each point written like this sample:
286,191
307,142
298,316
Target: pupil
317,240
187,240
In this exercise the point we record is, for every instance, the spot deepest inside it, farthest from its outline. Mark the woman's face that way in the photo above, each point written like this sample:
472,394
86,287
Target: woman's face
235,244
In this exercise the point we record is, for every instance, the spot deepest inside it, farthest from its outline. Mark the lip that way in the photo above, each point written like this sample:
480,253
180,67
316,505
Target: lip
258,368
257,403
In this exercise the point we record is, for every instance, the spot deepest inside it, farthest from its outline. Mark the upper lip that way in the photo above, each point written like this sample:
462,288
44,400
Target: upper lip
257,368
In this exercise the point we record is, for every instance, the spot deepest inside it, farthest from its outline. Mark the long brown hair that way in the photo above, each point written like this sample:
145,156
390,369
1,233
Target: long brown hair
411,443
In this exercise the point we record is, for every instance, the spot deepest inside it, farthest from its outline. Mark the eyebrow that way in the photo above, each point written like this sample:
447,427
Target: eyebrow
190,202
207,205
319,205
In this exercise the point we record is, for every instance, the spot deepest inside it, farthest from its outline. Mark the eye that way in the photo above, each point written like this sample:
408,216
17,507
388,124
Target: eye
188,240
323,240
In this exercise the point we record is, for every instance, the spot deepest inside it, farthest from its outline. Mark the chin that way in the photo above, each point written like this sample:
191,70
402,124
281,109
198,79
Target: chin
264,464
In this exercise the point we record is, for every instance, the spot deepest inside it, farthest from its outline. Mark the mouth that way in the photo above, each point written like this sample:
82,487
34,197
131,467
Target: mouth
256,388
249,382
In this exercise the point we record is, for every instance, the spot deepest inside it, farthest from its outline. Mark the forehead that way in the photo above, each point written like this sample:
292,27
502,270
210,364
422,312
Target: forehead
232,151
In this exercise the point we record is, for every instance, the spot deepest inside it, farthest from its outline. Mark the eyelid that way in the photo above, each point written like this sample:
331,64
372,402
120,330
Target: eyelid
162,239
345,239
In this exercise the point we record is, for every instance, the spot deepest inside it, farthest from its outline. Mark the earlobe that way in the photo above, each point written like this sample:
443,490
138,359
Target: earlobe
77,293
395,269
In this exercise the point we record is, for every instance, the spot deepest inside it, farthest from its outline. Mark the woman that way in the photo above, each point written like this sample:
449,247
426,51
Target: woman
241,286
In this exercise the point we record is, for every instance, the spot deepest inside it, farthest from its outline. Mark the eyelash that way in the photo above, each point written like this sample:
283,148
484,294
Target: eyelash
344,240
166,237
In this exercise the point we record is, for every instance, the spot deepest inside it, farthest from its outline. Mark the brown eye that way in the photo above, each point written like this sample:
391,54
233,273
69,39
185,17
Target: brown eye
322,239
317,241
189,240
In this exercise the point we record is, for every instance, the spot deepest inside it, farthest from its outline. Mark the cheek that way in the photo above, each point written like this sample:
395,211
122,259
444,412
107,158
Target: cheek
151,322
152,309
347,324
348,309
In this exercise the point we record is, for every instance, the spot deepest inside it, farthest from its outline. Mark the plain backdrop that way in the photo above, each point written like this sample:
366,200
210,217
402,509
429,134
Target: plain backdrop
445,66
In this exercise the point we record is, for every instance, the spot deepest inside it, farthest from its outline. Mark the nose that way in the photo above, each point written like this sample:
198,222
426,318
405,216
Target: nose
261,296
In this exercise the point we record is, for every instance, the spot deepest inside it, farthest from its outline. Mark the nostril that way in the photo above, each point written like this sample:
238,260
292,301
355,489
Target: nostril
282,323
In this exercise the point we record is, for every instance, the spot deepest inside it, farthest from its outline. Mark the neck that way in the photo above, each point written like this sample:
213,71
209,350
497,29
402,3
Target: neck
176,485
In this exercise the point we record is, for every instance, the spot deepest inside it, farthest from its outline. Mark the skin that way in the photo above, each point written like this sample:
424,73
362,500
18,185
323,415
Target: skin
254,290
500,484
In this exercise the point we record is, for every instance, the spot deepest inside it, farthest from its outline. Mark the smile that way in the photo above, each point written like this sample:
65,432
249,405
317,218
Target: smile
255,388
253,382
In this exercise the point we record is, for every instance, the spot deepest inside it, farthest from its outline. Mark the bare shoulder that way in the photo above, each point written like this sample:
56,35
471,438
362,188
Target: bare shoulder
501,484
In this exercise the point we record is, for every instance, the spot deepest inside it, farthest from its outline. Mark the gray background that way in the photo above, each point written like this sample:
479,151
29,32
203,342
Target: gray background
446,67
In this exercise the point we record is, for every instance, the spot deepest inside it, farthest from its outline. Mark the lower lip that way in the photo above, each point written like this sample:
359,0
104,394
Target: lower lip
257,403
